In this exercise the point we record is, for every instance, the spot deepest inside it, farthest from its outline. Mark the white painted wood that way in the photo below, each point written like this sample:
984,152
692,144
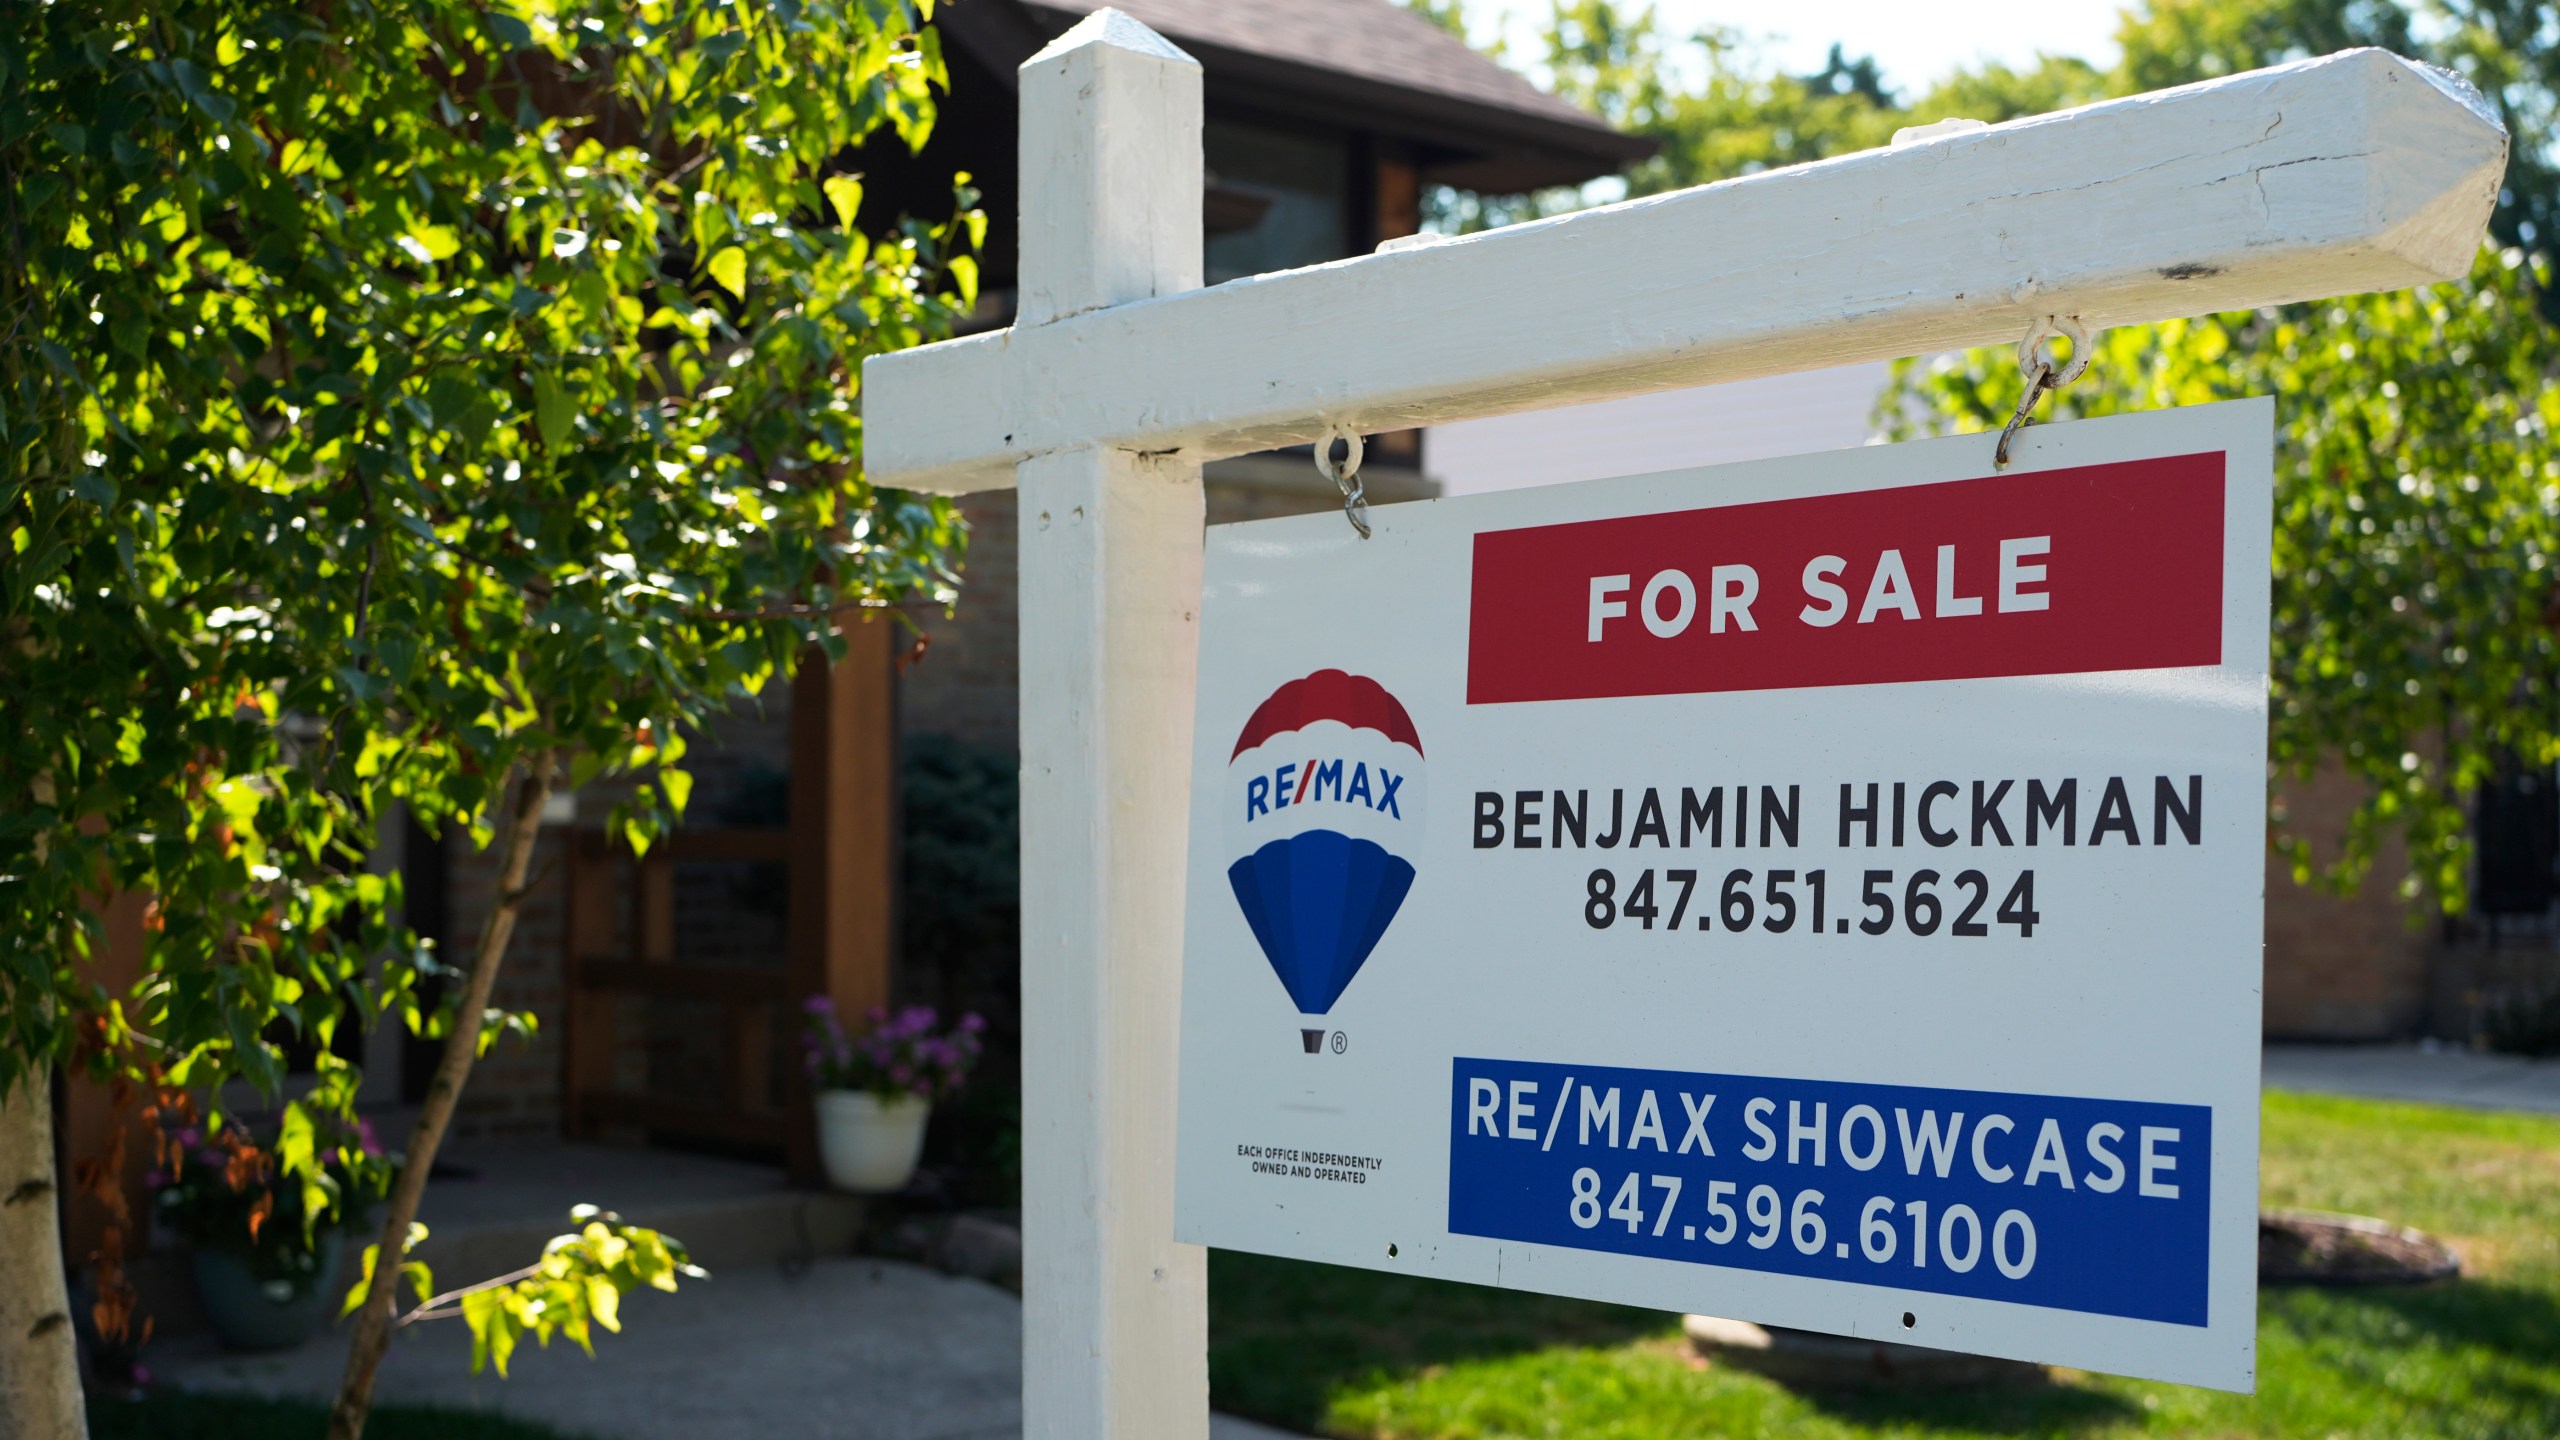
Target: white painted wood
1115,1313
2359,171
1106,171
1827,409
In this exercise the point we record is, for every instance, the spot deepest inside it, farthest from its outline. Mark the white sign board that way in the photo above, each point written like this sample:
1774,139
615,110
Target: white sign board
1822,891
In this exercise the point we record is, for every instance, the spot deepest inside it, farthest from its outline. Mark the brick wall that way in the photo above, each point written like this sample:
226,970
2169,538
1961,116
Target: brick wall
2342,967
514,1092
725,915
964,686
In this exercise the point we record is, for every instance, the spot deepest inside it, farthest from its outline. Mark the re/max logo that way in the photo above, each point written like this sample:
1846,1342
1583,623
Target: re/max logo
1296,784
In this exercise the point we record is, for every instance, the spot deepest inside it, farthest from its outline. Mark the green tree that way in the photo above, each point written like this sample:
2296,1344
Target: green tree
2414,608
2413,643
2511,50
2417,535
414,406
1718,111
1449,15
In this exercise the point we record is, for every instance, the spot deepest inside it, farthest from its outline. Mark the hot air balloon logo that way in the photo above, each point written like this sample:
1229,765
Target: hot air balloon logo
1324,799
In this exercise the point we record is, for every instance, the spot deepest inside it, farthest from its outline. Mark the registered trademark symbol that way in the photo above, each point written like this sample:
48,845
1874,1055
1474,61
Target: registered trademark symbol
1341,1042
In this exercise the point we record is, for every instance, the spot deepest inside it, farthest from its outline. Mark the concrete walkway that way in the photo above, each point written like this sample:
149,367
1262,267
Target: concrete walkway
2435,1076
850,1349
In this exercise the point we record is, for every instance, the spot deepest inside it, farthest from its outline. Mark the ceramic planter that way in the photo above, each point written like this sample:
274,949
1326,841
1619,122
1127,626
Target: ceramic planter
870,1145
272,1314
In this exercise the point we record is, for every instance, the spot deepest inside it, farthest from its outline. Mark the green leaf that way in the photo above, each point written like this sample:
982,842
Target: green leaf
729,267
427,244
844,192
510,30
553,412
493,1328
198,88
449,396
294,1141
364,1282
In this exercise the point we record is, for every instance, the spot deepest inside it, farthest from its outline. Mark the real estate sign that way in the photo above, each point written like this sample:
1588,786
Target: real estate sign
1822,891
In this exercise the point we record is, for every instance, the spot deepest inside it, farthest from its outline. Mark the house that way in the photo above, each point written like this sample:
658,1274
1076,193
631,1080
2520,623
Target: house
667,989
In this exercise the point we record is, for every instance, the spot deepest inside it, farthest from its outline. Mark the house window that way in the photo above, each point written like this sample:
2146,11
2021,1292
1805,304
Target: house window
2516,830
1275,199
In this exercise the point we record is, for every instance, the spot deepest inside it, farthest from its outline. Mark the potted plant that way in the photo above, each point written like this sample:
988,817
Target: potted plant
265,1245
875,1090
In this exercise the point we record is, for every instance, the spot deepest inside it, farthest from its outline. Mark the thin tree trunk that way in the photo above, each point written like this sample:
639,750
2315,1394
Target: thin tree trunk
461,1047
39,1358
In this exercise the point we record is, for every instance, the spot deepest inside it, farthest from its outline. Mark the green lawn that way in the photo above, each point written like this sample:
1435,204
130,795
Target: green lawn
1358,1354
220,1417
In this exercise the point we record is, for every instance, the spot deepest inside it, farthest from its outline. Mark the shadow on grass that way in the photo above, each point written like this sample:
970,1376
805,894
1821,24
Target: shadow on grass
2033,1408
2520,1322
172,1415
2472,1356
1285,1336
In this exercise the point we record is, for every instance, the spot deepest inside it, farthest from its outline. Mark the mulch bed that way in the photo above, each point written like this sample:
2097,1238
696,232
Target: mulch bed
2312,1247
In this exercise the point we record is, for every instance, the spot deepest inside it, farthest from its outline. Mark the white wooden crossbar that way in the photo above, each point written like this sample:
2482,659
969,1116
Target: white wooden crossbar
2359,171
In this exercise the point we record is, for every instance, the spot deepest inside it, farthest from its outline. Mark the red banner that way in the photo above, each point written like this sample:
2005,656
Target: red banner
2103,567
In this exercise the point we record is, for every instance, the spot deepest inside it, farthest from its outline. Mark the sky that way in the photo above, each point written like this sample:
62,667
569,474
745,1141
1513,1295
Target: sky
1915,41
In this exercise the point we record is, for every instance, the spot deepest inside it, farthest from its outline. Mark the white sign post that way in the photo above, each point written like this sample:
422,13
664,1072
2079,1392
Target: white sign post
2352,173
1115,1314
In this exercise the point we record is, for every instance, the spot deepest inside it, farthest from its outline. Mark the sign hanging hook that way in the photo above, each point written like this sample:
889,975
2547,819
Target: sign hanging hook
2043,372
1345,474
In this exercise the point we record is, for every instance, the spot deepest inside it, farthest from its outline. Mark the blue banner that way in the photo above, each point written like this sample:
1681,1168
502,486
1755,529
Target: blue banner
2073,1204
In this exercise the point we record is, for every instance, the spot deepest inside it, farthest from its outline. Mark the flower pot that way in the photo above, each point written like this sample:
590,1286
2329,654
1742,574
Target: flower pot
251,1313
870,1145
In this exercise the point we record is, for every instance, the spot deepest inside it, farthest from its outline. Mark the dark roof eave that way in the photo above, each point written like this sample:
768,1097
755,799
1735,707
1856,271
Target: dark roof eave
1488,140
1495,149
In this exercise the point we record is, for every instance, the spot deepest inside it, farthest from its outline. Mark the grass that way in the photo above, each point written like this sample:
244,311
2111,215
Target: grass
224,1417
1380,1357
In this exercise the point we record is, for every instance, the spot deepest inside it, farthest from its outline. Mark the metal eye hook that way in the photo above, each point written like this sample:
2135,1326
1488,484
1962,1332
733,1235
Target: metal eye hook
1345,476
2035,361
